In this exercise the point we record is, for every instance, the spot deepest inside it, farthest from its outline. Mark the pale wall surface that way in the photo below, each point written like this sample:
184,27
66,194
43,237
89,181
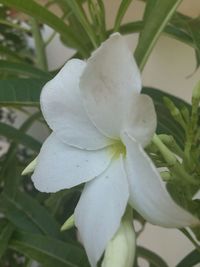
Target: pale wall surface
168,68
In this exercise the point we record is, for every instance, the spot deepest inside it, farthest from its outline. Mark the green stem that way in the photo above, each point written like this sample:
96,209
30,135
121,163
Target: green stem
168,156
51,37
192,125
39,45
173,164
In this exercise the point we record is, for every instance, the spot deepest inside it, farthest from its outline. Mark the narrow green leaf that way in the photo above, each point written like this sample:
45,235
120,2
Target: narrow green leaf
120,13
73,22
10,157
14,134
154,25
170,30
48,251
194,28
190,260
40,51
27,214
11,178
6,232
190,26
42,14
151,257
25,92
150,4
79,13
23,69
5,51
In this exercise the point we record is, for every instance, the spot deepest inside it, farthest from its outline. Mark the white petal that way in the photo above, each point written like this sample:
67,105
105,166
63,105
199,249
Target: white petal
100,209
109,80
141,119
148,194
63,110
60,166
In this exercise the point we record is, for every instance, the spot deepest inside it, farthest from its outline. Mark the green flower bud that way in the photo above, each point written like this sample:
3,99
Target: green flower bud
120,251
68,224
30,168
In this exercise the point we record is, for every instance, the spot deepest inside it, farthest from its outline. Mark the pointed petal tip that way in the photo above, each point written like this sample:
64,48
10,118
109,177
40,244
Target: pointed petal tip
100,209
154,203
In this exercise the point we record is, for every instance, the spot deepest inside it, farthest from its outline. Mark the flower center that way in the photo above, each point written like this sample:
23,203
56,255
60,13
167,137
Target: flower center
119,149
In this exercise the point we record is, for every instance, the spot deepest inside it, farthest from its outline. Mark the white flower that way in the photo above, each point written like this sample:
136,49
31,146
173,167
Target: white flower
100,124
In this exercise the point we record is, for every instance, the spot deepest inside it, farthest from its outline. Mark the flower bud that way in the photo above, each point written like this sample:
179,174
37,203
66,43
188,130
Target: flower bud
120,251
69,223
30,168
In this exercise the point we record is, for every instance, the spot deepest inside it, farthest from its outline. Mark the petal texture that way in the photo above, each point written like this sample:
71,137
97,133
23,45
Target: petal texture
100,209
63,110
60,166
109,80
140,122
148,194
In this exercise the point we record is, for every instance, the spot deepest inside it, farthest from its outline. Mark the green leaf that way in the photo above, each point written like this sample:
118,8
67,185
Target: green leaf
23,69
166,123
80,15
6,232
170,30
5,51
150,4
190,260
48,251
120,13
24,92
27,214
14,134
191,27
42,14
10,157
194,28
151,257
154,25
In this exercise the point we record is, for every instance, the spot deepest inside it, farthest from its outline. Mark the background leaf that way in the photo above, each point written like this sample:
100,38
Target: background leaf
155,23
151,257
190,260
49,251
27,214
42,14
23,92
6,232
23,70
14,134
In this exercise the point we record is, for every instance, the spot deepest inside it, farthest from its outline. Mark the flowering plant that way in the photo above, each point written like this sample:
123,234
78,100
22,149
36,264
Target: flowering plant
108,161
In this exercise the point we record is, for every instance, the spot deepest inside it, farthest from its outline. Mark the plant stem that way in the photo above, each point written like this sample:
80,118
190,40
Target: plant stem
173,164
41,58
